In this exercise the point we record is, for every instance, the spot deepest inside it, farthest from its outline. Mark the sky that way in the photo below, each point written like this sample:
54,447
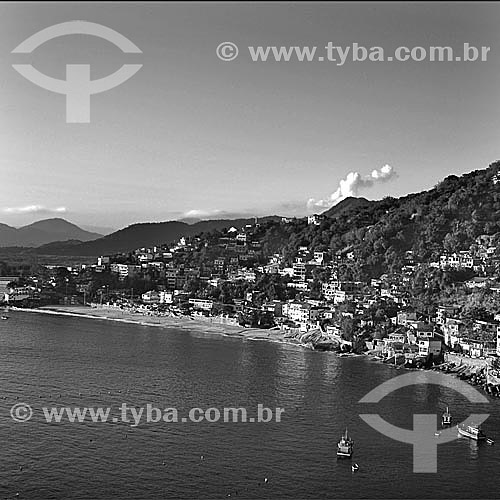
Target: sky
190,135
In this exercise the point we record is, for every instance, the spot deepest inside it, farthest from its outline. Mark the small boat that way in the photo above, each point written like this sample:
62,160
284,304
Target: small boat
490,441
4,317
472,431
354,467
345,446
446,418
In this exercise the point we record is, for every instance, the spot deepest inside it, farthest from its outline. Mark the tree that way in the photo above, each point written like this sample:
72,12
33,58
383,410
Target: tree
347,328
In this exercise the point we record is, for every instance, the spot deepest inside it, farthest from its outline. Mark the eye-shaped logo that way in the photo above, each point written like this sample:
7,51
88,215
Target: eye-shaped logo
78,87
424,437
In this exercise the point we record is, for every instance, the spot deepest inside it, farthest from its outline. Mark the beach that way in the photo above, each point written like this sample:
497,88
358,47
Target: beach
210,325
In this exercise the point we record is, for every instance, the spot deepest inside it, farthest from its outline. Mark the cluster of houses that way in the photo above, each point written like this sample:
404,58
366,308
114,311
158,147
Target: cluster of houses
236,256
477,339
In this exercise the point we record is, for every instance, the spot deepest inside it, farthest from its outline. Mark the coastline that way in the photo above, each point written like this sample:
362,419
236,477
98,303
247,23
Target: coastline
207,326
198,325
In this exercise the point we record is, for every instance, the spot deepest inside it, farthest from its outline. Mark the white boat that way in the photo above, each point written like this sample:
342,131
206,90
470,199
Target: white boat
472,431
345,446
446,417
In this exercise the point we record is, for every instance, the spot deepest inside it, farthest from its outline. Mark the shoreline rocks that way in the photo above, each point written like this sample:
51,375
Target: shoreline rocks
482,376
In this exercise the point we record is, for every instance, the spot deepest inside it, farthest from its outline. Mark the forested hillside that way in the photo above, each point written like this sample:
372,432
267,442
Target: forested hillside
447,218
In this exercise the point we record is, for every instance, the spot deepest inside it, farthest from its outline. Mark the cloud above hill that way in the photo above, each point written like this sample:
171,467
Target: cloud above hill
34,209
352,185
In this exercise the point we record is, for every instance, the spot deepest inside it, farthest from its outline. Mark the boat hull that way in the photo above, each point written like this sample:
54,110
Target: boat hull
345,447
475,437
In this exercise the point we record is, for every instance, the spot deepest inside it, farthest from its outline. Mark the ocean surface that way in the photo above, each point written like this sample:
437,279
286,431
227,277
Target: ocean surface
62,361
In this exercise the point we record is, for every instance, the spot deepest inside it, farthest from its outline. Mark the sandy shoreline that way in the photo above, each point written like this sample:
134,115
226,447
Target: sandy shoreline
199,325
204,326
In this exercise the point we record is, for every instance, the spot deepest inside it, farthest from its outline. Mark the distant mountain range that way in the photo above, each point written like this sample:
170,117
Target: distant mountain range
42,232
60,237
135,236
446,218
155,233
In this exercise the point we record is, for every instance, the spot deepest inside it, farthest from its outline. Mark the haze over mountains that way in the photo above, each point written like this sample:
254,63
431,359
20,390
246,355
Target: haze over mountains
142,235
42,232
59,237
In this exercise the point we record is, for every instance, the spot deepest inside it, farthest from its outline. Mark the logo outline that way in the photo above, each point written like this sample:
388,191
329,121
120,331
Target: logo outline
424,433
78,87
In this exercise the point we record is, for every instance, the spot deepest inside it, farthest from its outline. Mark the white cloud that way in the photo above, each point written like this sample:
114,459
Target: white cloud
353,183
195,213
34,209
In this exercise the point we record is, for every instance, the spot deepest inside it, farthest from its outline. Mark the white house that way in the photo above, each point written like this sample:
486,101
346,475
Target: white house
18,294
404,317
453,330
125,270
151,297
429,346
315,219
202,304
342,296
166,297
444,312
300,312
145,257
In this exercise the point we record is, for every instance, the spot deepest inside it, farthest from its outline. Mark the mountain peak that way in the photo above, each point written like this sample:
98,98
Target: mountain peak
52,224
347,205
42,232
